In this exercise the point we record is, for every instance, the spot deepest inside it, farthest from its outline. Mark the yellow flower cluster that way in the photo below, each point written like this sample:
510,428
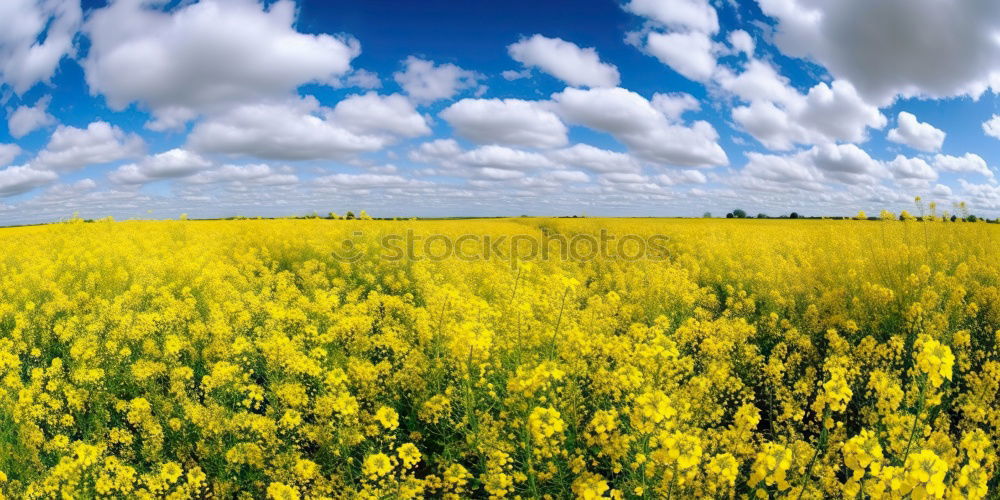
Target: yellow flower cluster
546,427
305,359
936,360
771,466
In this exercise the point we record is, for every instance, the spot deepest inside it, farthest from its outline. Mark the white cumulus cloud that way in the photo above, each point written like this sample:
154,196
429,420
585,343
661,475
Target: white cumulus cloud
813,170
35,35
301,129
343,181
909,48
912,169
21,179
645,130
169,164
595,159
967,163
26,119
916,134
780,117
492,161
992,127
8,152
376,114
427,82
72,148
512,122
579,67
206,55
691,54
680,35
693,15
257,173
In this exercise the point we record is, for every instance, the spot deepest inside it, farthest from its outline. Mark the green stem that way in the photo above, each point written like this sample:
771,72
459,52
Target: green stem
819,446
916,419
642,468
673,481
555,333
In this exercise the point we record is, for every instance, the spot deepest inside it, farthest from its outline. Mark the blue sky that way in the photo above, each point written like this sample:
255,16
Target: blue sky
151,108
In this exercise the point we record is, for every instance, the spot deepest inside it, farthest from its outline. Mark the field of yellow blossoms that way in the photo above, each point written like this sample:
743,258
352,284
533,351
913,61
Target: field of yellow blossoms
303,359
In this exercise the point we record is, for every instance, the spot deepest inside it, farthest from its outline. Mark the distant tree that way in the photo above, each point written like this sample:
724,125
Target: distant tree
861,215
729,215
971,218
762,216
954,218
794,215
350,215
707,215
739,213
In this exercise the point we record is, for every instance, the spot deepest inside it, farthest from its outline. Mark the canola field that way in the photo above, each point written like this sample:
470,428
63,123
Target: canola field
307,359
